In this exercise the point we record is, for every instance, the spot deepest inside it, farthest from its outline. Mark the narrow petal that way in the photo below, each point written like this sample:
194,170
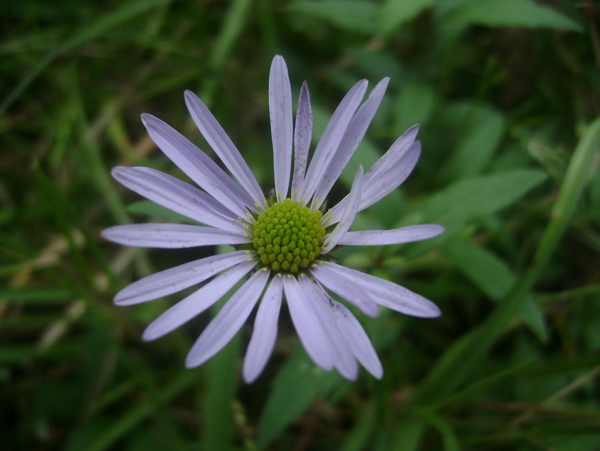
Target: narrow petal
351,290
357,339
282,125
395,236
352,137
171,236
177,196
197,302
178,278
265,331
198,166
394,153
228,321
223,146
343,358
378,187
302,138
387,293
307,324
332,136
347,217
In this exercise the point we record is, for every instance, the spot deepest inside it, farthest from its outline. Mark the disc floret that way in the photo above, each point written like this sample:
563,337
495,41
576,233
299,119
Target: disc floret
288,237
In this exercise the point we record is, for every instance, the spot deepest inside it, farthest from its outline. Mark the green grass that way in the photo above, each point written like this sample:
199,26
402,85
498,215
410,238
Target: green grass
508,97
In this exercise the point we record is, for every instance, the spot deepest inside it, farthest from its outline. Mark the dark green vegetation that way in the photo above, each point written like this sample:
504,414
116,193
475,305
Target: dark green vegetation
506,92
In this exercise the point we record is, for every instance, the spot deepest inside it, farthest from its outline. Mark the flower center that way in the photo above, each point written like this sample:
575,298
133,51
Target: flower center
288,237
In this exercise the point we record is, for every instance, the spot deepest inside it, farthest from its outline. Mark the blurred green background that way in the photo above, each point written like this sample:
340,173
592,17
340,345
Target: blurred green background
506,92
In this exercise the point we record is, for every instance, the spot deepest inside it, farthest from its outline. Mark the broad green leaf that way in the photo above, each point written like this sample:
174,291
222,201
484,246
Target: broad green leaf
494,278
351,15
397,12
481,131
513,13
415,104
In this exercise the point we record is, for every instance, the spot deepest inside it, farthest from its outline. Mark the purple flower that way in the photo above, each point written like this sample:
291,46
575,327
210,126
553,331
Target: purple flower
283,243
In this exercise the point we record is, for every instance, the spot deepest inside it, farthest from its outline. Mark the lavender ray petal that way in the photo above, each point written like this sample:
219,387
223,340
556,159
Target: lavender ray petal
178,278
357,339
343,357
350,290
307,324
302,138
223,146
282,125
352,137
348,215
177,196
197,302
387,293
198,166
394,153
332,136
263,338
406,234
171,236
228,321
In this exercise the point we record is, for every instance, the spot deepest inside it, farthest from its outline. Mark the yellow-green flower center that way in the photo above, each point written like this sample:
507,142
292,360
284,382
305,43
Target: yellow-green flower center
288,237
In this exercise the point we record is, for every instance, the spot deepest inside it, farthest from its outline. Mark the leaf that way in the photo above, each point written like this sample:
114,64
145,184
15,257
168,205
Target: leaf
397,12
415,105
513,13
351,15
483,129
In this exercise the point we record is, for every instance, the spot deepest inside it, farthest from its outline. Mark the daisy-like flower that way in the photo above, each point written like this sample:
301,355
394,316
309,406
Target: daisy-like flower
283,244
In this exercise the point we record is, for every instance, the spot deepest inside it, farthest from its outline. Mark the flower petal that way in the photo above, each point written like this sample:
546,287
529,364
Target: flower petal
349,290
357,339
343,358
307,324
178,278
177,196
348,215
352,137
394,153
228,321
302,137
171,236
387,293
406,234
332,136
379,187
223,146
282,125
198,166
265,331
197,302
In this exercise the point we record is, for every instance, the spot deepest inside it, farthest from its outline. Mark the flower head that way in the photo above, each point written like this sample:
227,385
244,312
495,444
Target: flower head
282,244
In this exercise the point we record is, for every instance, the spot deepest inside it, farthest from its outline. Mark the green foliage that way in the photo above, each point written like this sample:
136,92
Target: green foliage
507,96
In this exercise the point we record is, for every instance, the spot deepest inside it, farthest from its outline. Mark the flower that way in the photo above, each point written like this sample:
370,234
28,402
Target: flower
284,243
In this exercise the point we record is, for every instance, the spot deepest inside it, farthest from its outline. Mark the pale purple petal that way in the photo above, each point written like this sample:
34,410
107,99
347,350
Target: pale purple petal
386,293
265,331
223,146
178,278
177,196
350,290
302,138
343,357
282,125
348,215
406,234
332,136
352,137
307,324
198,166
197,302
357,339
394,153
171,236
228,321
